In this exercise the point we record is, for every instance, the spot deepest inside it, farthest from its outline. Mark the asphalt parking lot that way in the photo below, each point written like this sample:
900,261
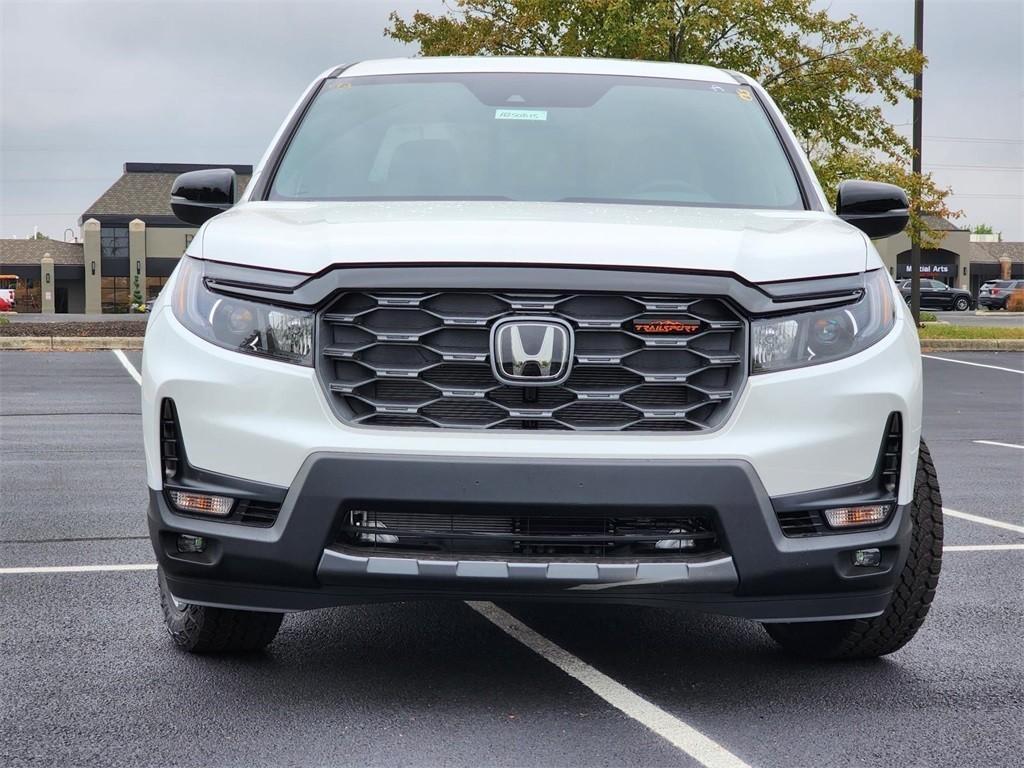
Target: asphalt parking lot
89,677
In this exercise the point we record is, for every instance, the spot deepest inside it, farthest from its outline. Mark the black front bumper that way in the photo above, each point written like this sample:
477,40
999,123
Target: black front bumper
297,564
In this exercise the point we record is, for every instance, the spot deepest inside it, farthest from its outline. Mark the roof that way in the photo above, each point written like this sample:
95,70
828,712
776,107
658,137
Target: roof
990,252
551,64
939,224
29,252
144,190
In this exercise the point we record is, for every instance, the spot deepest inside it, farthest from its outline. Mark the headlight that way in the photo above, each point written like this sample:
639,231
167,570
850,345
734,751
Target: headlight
239,324
825,335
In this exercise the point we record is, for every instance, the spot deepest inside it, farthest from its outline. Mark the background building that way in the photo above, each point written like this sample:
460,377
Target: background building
130,243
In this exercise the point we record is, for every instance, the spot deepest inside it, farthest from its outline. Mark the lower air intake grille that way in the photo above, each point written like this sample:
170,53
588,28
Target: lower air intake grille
423,360
527,535
260,514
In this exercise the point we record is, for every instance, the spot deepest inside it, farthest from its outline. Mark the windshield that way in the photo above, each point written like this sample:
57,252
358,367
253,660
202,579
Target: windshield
540,137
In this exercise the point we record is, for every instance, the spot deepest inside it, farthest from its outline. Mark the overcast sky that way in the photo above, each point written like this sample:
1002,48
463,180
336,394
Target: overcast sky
86,86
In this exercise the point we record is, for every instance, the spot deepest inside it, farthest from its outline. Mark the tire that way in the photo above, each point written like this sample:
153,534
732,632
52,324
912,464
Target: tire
911,598
961,305
199,629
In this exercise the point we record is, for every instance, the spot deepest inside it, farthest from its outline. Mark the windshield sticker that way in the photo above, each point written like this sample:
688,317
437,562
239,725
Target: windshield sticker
744,94
520,114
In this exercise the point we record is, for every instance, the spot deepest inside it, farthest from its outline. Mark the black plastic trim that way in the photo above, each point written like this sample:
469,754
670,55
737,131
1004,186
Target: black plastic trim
779,578
872,490
187,477
314,292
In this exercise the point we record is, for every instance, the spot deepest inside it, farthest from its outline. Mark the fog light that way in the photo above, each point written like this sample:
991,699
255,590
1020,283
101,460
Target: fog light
191,544
201,503
867,558
376,538
851,517
676,543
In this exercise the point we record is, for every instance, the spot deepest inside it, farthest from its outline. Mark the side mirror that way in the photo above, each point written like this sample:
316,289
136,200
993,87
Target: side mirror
877,209
197,196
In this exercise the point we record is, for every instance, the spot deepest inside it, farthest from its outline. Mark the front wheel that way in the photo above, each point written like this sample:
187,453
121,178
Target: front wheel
961,305
200,629
911,597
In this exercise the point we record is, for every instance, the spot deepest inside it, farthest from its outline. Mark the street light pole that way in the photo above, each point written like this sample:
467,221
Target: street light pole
915,246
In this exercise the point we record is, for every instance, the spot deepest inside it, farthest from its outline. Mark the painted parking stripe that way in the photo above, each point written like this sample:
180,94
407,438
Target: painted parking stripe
997,443
80,568
128,366
684,737
976,365
982,547
983,520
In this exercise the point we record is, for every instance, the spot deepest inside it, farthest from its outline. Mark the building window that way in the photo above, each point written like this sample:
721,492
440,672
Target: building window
28,296
114,243
153,286
115,295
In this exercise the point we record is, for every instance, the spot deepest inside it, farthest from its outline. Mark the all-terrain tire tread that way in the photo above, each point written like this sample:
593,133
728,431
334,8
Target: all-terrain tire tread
911,599
201,629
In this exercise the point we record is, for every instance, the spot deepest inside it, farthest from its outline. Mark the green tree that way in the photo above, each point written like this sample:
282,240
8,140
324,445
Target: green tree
137,298
829,76
982,229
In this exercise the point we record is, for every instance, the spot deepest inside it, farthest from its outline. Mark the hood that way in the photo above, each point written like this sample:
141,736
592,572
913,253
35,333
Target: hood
757,245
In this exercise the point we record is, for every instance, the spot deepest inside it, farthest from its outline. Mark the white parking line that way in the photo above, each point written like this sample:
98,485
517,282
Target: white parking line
682,736
983,520
1001,445
81,568
128,366
982,547
976,365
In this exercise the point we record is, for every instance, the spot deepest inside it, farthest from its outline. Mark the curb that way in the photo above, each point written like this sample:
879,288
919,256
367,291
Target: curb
70,343
972,345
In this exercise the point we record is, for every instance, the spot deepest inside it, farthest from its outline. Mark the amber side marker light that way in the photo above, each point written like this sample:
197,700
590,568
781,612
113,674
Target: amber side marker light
852,517
201,503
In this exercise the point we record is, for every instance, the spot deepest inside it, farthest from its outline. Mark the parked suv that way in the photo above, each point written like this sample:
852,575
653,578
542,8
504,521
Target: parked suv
996,294
542,329
935,294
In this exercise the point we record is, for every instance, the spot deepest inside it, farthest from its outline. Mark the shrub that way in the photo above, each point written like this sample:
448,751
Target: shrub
1016,301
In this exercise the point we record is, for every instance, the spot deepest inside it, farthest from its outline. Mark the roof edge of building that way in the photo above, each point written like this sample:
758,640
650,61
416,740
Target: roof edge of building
183,167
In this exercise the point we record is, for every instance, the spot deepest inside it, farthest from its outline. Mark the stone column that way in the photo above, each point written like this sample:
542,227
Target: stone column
1005,268
47,284
93,266
137,258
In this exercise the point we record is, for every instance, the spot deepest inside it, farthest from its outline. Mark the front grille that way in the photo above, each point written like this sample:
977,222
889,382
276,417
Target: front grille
422,360
526,535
